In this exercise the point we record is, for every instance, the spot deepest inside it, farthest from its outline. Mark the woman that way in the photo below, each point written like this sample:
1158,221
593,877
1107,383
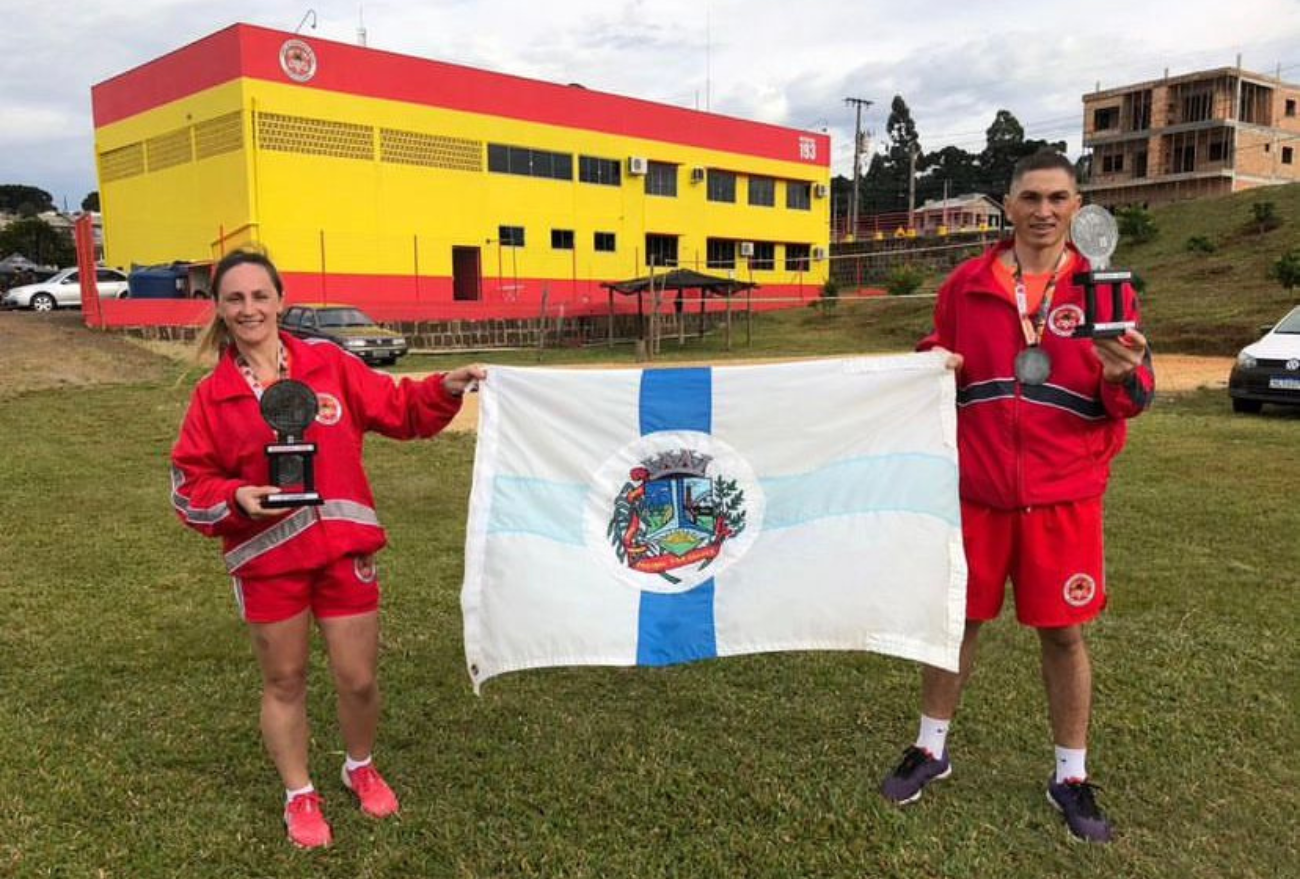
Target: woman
292,565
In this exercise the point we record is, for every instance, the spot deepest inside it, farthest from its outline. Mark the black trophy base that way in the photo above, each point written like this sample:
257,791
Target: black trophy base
285,499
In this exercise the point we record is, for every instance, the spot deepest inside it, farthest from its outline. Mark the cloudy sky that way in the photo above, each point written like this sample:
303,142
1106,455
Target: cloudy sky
955,62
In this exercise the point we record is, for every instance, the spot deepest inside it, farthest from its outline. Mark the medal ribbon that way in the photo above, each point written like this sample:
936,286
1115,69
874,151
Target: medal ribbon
246,369
1033,327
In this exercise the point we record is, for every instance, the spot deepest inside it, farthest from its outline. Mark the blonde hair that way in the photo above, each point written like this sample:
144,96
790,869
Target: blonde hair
216,336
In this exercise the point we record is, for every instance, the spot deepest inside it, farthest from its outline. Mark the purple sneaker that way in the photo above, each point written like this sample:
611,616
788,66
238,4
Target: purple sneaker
1076,802
917,769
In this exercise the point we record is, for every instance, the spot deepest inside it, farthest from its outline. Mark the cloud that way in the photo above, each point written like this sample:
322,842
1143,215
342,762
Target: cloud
956,63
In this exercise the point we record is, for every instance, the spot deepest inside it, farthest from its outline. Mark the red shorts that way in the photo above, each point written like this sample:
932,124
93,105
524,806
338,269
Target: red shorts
1053,556
343,588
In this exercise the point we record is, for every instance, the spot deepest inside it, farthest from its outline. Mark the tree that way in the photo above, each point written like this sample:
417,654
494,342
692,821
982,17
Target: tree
884,186
91,201
951,165
1005,145
38,241
26,201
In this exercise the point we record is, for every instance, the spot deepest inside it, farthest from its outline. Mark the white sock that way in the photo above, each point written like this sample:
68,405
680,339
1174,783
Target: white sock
1071,764
933,736
290,794
353,765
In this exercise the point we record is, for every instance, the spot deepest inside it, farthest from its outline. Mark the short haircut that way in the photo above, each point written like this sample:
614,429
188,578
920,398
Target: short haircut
1044,160
245,256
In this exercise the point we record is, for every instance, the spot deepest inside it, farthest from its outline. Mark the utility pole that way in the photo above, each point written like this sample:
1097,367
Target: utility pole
911,184
858,104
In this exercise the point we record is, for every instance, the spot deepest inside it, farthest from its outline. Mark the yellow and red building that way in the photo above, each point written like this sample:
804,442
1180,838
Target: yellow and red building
420,189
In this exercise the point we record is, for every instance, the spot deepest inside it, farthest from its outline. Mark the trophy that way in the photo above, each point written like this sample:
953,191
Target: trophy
289,407
1095,234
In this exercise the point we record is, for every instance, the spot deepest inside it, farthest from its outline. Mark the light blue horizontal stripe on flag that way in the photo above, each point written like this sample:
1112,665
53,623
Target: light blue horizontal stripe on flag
524,505
923,484
676,627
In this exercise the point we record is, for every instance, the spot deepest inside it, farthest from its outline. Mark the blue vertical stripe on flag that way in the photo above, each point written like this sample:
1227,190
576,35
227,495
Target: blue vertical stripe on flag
676,627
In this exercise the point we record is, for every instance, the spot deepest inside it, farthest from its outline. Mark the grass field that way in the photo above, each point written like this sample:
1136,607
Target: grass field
129,692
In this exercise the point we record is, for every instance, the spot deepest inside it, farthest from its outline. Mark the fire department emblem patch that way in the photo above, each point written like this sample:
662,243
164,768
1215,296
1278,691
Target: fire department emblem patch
328,409
1064,319
680,507
365,568
297,60
1079,590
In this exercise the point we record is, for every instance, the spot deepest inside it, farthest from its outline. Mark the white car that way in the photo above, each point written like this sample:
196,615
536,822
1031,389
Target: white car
1268,371
63,290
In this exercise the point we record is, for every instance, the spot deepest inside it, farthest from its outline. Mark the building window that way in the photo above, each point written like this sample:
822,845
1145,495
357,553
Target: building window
1112,163
1287,154
661,250
604,242
1196,107
721,253
1105,118
661,179
607,172
797,257
762,191
764,258
562,239
1140,164
510,236
1218,150
526,162
798,195
722,186
1290,106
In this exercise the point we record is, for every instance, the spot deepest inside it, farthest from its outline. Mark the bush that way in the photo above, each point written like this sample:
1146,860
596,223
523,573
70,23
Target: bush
830,294
1264,214
1136,225
1287,269
1199,244
903,280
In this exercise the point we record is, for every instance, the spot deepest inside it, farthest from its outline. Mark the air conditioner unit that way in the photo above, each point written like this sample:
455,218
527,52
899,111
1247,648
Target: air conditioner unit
697,175
746,248
820,190
638,165
819,253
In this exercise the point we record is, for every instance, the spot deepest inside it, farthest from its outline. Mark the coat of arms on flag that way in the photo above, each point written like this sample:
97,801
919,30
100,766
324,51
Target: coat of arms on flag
649,517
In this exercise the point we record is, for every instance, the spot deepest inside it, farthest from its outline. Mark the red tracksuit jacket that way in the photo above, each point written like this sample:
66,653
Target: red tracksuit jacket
222,442
1023,445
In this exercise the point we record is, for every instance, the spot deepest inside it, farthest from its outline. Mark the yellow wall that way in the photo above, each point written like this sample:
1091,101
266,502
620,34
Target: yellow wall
176,212
375,213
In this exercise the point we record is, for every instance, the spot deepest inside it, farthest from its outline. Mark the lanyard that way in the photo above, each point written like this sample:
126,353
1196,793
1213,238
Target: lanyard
246,369
1033,327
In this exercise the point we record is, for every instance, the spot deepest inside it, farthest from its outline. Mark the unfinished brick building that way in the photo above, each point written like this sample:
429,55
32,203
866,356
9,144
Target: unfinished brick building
1199,134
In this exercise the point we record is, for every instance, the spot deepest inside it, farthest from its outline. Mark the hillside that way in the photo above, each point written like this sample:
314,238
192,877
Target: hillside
1214,303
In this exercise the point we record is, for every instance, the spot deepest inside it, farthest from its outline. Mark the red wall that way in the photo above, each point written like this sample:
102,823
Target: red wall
244,50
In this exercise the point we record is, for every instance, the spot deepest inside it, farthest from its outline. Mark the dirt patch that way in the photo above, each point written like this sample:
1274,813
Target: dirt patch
43,351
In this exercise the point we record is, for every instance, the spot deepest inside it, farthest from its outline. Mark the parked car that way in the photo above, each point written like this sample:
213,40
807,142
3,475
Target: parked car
346,326
63,290
1268,371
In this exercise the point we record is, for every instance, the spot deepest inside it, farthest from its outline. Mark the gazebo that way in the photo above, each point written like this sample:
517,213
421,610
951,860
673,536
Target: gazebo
680,280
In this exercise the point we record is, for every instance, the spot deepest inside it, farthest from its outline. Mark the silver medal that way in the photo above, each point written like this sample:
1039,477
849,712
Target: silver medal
1033,366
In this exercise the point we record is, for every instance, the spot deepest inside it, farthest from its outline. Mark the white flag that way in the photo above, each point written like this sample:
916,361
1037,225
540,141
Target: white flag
649,517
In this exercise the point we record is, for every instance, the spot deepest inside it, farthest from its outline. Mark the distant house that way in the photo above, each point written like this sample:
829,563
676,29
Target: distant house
973,212
1205,133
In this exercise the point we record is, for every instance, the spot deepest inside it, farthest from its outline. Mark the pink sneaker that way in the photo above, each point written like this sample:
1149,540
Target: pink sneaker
372,792
306,823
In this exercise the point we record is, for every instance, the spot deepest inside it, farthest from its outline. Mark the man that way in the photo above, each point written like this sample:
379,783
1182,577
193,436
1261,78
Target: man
1040,416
